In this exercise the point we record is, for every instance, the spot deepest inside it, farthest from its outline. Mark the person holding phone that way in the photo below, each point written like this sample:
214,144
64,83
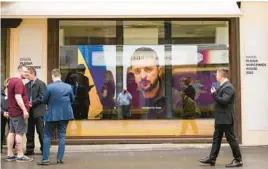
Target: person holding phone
224,97
124,101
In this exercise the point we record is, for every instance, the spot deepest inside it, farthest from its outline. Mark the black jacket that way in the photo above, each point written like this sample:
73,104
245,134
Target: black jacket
83,87
224,104
39,88
4,105
190,92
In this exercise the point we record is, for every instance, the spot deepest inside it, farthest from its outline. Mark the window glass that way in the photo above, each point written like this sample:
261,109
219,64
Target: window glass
198,49
142,77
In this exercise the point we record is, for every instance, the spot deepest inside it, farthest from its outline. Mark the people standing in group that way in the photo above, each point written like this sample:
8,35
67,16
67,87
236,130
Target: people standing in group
18,107
36,90
124,101
224,97
4,112
58,97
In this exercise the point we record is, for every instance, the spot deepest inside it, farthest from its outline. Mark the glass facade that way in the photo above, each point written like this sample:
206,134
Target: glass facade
4,43
167,67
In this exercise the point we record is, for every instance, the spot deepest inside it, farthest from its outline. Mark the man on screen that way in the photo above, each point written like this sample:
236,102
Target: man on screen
145,66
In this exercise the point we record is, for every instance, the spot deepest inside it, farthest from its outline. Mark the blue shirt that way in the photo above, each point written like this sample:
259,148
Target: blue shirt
124,99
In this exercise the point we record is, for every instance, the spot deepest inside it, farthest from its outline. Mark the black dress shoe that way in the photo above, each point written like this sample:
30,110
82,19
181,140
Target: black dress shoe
235,163
59,162
208,161
28,153
43,162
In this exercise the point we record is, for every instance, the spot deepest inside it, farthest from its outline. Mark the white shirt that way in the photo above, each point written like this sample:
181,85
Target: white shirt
225,80
124,99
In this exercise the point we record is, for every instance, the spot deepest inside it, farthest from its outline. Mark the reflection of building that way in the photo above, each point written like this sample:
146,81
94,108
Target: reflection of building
213,38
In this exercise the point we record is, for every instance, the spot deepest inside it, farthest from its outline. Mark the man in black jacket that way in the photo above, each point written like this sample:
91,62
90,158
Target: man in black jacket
224,97
36,90
81,93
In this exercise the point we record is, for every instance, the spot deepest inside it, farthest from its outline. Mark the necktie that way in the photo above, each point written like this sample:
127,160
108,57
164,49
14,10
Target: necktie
74,89
30,90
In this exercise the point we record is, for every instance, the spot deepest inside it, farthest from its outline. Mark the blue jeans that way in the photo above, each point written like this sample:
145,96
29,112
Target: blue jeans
49,130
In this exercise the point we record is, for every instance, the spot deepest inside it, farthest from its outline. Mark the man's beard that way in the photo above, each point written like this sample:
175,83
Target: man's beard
152,86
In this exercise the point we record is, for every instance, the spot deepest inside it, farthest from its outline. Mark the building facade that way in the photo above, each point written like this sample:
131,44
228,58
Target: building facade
154,50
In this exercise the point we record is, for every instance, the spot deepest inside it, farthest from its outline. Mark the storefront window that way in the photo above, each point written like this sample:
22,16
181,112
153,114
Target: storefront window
82,46
198,49
100,59
4,39
143,65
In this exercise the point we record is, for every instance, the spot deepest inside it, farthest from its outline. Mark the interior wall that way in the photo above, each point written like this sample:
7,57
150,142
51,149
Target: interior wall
23,43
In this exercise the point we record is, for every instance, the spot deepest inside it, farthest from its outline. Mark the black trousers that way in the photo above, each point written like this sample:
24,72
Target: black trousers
80,108
3,127
39,124
228,129
125,110
107,113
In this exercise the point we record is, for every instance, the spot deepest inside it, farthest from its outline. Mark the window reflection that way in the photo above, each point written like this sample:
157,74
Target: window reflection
99,69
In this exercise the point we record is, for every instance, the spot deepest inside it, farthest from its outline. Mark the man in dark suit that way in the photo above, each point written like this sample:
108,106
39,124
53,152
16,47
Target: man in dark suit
59,98
36,90
224,97
82,96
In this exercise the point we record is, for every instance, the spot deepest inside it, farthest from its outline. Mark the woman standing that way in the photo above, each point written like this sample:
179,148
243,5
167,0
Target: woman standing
108,91
4,111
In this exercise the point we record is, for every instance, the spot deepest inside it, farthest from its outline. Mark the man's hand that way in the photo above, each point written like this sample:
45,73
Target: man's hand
25,115
213,90
5,114
30,104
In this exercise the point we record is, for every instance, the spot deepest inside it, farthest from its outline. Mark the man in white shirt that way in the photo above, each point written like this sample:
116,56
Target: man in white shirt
124,101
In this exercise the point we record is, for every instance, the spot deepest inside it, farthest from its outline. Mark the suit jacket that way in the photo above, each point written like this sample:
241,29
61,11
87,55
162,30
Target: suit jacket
83,87
59,98
37,92
224,106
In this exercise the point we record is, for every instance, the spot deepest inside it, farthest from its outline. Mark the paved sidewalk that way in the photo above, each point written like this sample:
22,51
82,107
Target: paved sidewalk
163,156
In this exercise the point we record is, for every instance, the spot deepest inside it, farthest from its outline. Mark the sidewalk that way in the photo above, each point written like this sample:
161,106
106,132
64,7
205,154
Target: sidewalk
154,156
135,147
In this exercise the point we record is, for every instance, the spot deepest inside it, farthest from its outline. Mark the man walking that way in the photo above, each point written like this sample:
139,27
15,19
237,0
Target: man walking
59,97
224,97
18,107
36,91
124,101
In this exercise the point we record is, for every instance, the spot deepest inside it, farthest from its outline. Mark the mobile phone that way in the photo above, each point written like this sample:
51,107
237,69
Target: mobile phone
215,85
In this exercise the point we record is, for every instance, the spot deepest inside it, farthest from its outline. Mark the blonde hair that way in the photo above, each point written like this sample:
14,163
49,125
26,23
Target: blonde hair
56,73
5,84
108,77
223,72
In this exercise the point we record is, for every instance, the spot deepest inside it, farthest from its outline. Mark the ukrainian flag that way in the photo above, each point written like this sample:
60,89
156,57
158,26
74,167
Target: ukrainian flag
95,74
